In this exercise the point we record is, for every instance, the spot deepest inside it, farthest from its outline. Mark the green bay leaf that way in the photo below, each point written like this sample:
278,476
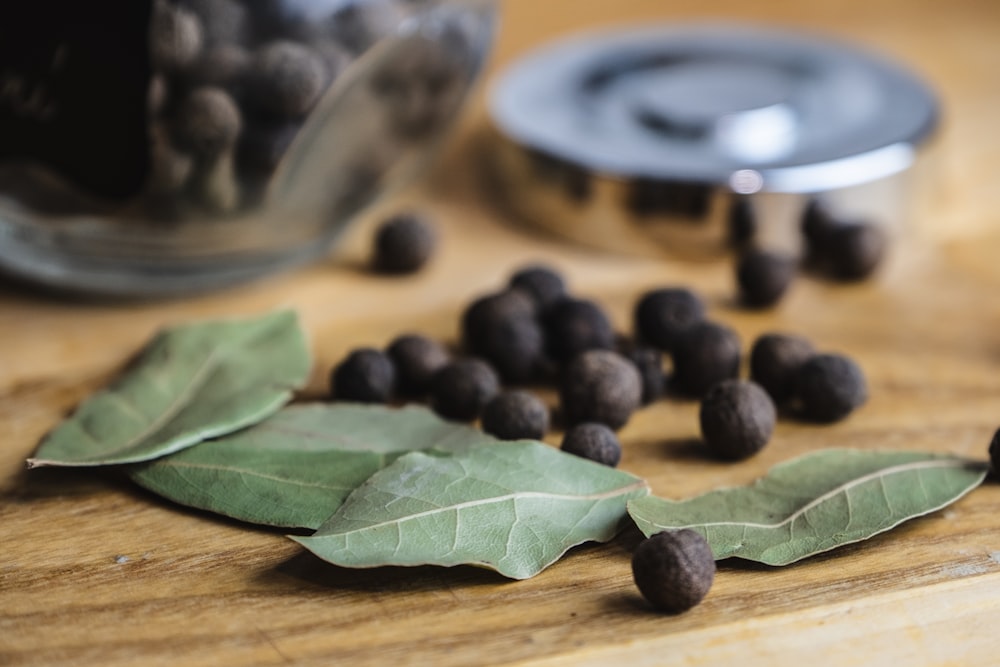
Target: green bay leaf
191,383
296,468
514,507
815,503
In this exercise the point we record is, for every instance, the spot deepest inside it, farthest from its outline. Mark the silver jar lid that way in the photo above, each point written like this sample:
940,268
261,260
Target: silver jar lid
736,109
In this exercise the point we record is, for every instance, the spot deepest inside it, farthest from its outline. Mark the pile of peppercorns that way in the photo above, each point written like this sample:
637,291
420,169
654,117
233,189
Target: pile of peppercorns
534,332
234,81
835,248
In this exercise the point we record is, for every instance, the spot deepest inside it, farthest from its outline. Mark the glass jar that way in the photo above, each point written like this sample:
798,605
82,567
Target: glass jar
152,147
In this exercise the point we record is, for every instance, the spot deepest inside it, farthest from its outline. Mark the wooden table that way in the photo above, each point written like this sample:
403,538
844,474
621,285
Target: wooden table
96,572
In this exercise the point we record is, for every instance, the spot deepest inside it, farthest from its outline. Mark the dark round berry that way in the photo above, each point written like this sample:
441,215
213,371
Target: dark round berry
649,362
830,387
775,360
516,415
763,277
207,123
417,359
854,250
288,79
502,328
365,376
663,315
600,386
737,419
674,570
705,355
995,453
541,283
462,389
817,221
403,244
573,326
593,441
742,223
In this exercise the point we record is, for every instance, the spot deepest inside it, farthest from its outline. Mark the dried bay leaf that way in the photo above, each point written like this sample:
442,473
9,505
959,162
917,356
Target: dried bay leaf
191,383
515,507
296,468
815,503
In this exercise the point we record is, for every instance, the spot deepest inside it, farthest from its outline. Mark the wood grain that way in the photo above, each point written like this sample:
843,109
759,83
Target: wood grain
96,572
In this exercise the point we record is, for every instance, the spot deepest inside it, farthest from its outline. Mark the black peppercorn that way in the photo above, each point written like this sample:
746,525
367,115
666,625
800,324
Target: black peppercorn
649,362
502,328
573,326
403,244
830,387
703,356
817,221
775,360
461,389
995,453
600,386
763,277
737,419
416,359
287,79
207,123
365,376
593,441
541,283
742,223
516,415
224,21
175,37
674,570
854,250
663,315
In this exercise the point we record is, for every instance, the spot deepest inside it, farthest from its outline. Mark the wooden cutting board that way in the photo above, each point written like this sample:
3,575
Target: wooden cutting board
96,572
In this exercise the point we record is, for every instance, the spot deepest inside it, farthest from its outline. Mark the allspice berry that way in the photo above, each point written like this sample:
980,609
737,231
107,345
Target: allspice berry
516,415
703,356
663,315
593,441
208,123
544,285
600,386
995,453
573,326
403,244
737,419
416,358
775,360
829,387
763,277
175,37
365,376
462,389
854,250
674,570
649,362
502,328
287,80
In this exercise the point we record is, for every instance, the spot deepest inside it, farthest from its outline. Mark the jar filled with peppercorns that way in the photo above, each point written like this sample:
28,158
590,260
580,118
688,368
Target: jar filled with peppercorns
154,147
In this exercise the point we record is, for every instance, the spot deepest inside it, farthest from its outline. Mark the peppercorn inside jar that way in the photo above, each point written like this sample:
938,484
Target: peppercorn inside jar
153,147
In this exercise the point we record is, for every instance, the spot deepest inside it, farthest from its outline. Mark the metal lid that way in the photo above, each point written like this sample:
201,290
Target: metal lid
755,109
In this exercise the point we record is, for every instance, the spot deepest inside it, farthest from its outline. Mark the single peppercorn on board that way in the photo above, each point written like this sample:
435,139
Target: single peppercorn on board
815,503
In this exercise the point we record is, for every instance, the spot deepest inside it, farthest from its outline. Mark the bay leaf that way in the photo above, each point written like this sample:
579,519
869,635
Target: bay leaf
514,507
815,503
296,468
192,382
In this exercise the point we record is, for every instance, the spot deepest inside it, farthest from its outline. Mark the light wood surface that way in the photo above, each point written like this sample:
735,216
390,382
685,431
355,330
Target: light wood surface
96,572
